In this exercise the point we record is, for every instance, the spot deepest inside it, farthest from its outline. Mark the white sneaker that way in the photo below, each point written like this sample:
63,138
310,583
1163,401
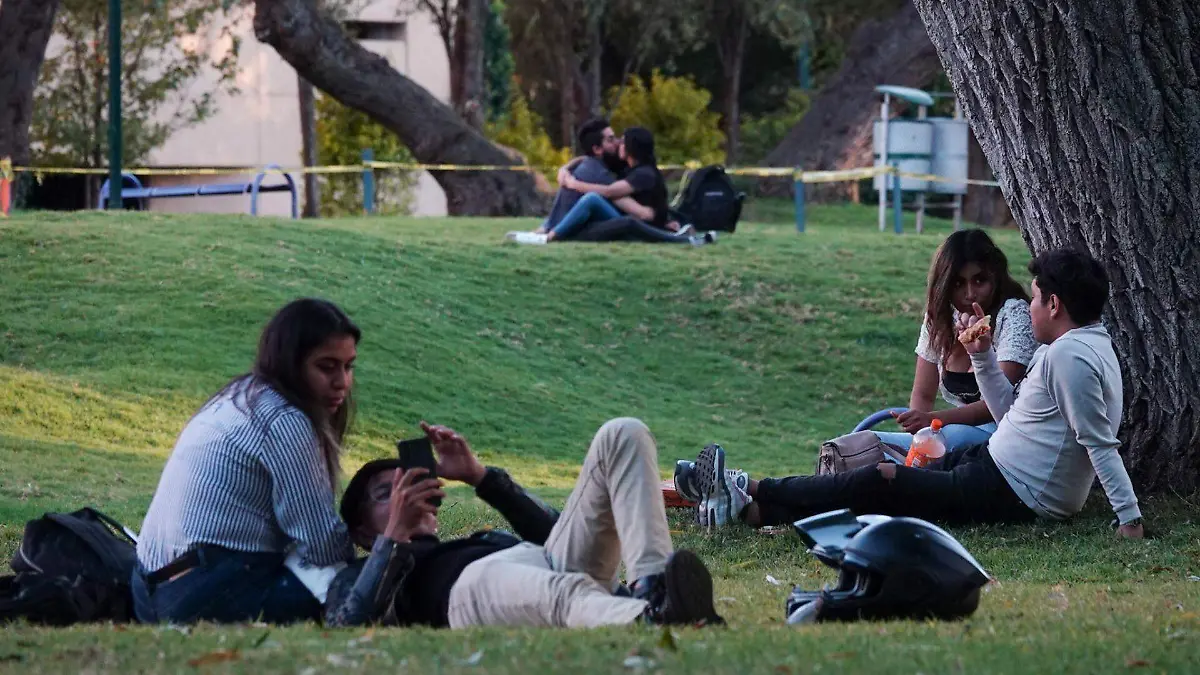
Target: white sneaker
725,491
685,230
526,237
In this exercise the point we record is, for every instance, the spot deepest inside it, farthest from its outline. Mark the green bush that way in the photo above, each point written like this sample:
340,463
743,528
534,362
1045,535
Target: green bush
761,133
521,129
676,111
342,134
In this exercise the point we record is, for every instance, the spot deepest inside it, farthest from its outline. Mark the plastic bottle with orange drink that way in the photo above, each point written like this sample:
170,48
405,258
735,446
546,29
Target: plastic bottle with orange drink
928,444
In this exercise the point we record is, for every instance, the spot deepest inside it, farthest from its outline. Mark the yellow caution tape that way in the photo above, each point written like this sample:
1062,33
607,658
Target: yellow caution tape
761,172
943,179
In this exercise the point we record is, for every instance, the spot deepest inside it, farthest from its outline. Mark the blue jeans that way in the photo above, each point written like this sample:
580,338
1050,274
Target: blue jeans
589,208
956,435
226,587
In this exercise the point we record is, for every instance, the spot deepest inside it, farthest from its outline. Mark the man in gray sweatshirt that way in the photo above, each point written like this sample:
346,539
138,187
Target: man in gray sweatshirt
1057,432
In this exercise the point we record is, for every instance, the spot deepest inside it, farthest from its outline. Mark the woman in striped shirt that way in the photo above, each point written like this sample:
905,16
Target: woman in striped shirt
252,478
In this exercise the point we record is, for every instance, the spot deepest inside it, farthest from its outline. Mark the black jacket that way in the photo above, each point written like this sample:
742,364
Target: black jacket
373,588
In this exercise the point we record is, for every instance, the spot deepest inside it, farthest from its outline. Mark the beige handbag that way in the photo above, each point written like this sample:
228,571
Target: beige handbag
849,452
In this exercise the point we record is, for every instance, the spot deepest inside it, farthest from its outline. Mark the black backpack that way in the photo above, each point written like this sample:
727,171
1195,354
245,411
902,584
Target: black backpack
71,568
709,201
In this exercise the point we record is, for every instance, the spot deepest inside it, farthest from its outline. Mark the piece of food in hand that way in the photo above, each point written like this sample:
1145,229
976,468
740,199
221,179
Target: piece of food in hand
975,330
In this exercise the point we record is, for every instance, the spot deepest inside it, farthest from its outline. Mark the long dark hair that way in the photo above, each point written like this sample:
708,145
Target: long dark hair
639,144
959,250
288,338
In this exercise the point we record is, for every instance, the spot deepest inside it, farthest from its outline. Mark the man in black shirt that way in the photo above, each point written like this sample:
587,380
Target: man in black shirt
562,575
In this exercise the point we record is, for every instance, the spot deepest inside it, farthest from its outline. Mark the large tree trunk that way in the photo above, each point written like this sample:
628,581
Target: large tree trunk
1089,114
25,27
314,45
835,133
308,144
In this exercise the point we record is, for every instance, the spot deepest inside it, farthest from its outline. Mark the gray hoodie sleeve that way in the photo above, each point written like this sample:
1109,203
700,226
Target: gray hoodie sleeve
994,385
1078,390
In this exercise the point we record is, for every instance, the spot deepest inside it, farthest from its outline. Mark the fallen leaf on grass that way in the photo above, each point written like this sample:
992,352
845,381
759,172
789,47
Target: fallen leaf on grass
773,581
219,656
783,669
474,659
1058,599
1137,663
1193,577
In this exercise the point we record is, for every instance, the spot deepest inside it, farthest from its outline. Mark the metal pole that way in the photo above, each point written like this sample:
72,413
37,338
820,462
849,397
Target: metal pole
883,161
897,199
799,188
368,155
115,182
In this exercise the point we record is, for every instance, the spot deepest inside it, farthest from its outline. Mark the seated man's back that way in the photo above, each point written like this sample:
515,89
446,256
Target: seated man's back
1064,423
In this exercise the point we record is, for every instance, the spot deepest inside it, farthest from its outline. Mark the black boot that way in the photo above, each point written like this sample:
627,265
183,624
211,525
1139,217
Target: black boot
682,594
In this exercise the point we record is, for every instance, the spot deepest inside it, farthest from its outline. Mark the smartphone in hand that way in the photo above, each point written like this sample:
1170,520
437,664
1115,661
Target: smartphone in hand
417,453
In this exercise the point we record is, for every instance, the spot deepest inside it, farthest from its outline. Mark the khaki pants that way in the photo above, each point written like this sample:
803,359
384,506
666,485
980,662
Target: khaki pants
615,514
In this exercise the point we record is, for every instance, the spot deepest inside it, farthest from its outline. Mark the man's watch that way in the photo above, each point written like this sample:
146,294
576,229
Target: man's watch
1116,523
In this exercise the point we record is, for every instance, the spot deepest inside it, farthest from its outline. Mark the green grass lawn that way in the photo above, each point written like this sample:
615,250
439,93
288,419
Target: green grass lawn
114,328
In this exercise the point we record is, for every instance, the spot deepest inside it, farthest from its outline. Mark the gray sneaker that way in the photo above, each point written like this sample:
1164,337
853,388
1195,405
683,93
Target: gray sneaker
726,492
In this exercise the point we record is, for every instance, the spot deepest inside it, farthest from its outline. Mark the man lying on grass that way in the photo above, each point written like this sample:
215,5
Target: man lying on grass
563,575
1057,432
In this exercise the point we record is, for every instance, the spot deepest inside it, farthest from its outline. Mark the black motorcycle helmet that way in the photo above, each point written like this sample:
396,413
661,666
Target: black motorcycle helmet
890,568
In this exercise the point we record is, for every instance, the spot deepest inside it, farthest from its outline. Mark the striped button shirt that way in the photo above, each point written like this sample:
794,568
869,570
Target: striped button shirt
253,483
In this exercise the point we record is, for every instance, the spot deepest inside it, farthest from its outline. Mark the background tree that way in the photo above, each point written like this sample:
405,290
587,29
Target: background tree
25,28
729,27
499,67
462,26
313,44
166,49
1089,115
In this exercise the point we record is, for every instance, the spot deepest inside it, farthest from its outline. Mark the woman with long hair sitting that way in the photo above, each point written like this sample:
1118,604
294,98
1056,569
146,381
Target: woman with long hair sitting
967,269
252,479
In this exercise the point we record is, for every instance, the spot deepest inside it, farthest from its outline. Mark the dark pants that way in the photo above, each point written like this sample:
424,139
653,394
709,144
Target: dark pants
627,229
226,587
963,487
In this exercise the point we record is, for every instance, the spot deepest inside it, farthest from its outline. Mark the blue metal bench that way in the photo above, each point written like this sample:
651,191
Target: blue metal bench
253,188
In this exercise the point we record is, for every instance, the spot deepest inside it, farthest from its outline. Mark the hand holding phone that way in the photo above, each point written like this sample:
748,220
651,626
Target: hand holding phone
417,453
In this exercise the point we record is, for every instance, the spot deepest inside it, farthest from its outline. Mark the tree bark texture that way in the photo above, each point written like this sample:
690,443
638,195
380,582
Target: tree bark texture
25,28
1089,112
835,133
315,46
308,144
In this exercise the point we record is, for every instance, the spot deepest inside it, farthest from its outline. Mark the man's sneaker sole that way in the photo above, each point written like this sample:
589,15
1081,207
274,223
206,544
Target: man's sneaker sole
689,588
710,470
